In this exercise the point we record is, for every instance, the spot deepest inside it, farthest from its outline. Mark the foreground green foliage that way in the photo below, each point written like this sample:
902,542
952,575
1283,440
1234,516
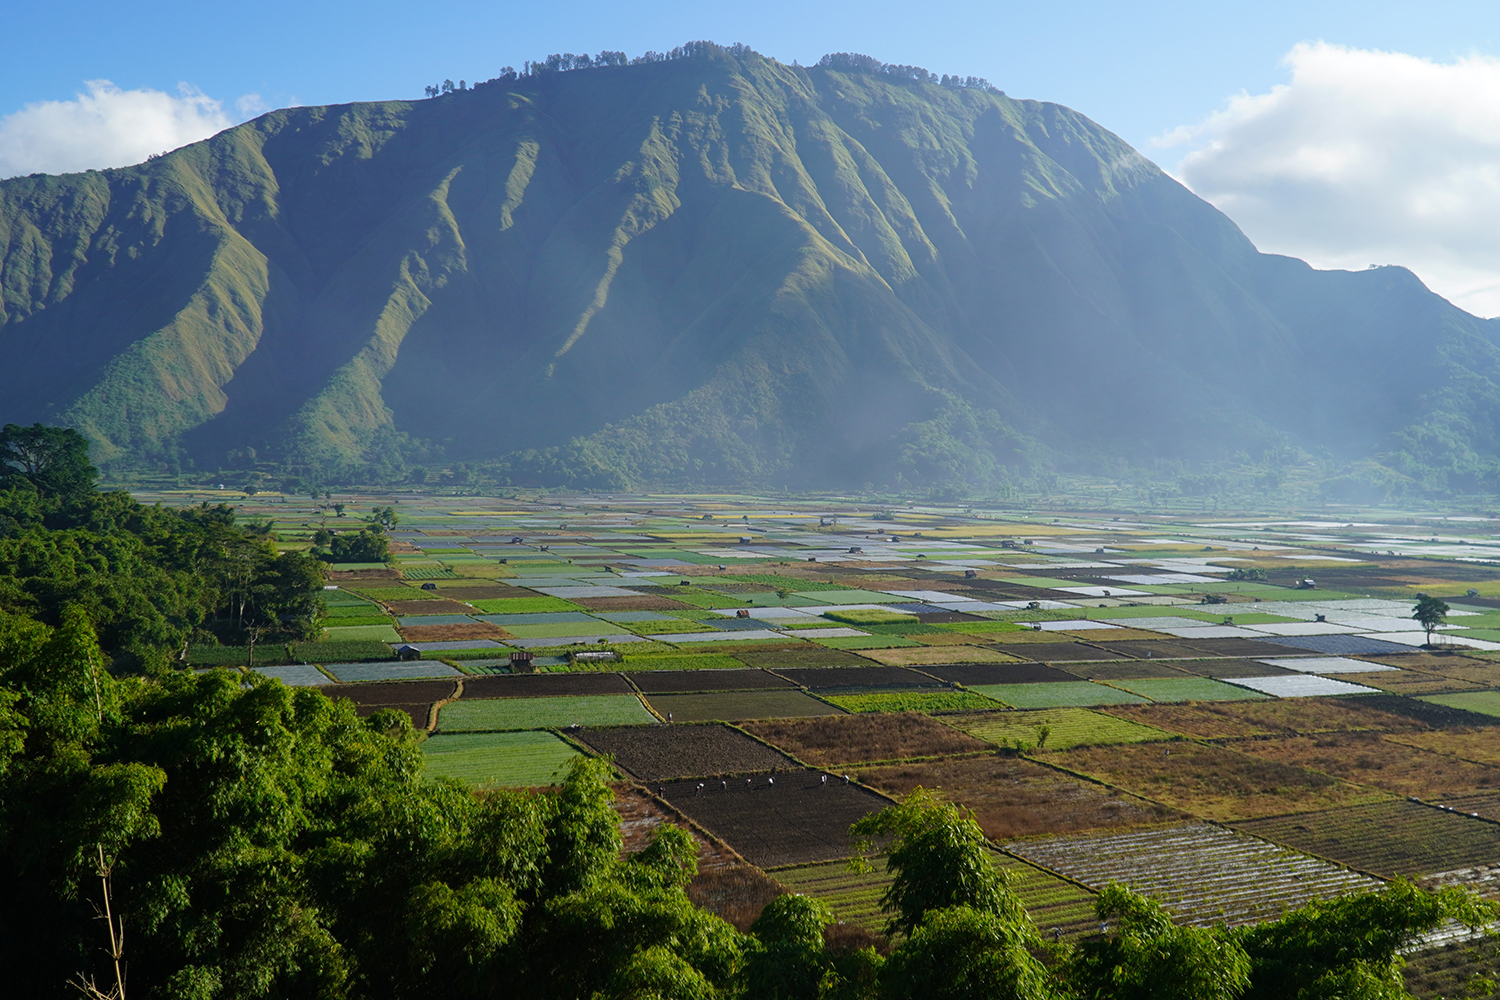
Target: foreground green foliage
151,579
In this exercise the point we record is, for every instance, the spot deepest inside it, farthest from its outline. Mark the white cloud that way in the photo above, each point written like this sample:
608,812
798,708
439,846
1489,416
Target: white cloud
1365,157
107,127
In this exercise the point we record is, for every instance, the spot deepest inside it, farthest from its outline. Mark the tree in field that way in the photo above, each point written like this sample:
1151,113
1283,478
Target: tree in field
53,460
1430,612
1349,948
967,933
939,858
1147,957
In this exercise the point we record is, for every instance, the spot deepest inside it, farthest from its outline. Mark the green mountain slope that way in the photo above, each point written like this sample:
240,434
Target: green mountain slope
715,269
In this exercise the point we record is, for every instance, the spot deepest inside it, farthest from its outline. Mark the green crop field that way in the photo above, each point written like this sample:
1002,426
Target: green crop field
855,896
686,661
913,701
498,760
1169,689
564,629
523,605
379,633
1067,727
849,597
341,651
542,713
385,592
867,642
872,616
1055,694
1483,702
1388,838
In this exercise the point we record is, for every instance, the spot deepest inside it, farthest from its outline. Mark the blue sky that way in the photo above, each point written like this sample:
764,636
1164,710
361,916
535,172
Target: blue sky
1141,69
1138,68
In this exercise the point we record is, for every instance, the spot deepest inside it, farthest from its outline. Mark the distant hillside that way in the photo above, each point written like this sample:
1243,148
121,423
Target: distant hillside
713,269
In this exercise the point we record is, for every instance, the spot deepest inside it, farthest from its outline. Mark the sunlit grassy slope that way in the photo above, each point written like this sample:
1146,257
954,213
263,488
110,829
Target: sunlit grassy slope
715,269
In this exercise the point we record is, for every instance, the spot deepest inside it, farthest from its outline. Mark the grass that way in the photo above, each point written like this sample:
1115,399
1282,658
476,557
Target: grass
1368,759
913,701
1213,782
1066,728
1056,694
1015,797
498,760
495,714
1276,716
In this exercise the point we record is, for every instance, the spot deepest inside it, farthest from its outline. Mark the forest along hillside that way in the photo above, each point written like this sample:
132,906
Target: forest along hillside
711,268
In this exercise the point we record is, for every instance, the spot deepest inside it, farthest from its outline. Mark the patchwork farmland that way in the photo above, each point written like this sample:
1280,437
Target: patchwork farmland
737,662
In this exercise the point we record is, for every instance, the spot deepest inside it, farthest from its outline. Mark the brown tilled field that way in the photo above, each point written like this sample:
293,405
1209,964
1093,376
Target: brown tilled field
1272,717
493,592
1057,652
1367,759
1125,670
429,607
1449,664
1241,647
543,685
796,820
448,633
392,692
1220,669
1486,805
840,740
658,753
420,712
817,678
666,681
923,656
1411,682
994,673
776,659
1013,797
646,602
1163,648
1212,782
1424,714
724,886
731,706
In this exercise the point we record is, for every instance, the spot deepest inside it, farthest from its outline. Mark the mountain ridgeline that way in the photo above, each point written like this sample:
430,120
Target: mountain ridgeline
714,269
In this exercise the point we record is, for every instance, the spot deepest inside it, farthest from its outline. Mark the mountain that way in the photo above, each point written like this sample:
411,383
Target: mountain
713,269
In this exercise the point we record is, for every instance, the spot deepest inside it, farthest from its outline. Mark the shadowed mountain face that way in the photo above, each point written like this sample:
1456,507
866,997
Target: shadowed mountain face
712,270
